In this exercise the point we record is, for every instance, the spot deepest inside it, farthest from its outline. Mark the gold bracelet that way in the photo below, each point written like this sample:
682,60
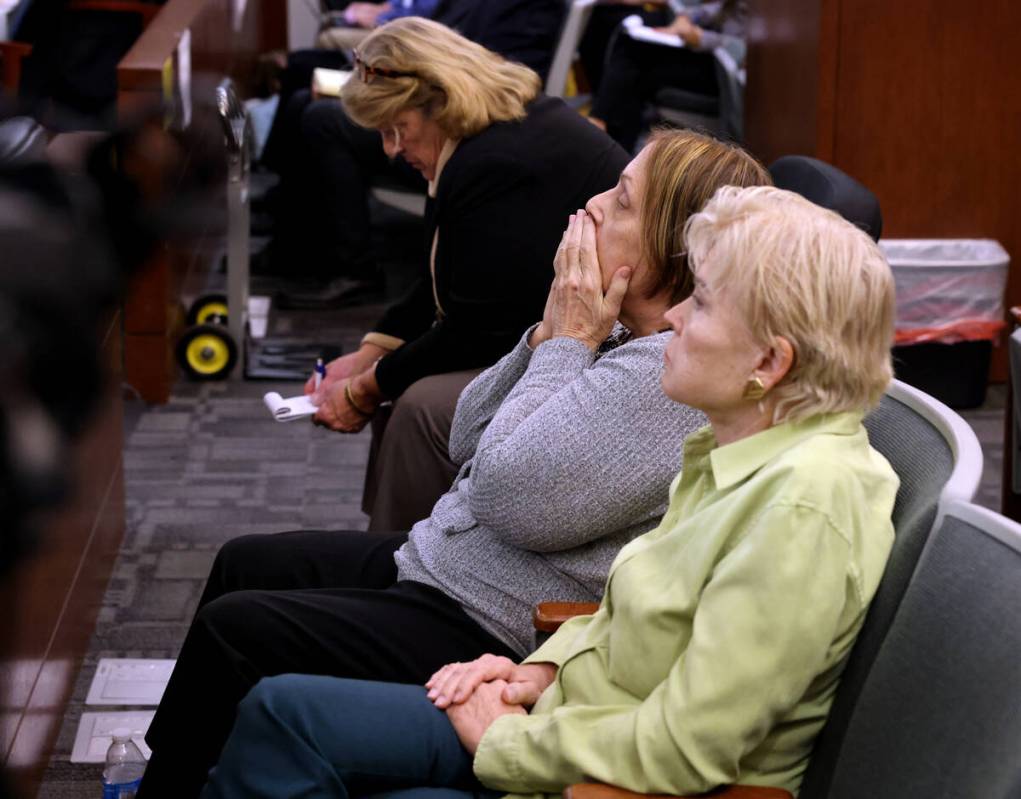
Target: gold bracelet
352,403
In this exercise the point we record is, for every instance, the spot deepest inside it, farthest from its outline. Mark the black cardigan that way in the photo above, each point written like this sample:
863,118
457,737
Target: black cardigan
501,206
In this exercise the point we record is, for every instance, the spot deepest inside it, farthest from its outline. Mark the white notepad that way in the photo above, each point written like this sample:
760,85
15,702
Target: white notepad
95,733
129,681
637,29
289,409
329,82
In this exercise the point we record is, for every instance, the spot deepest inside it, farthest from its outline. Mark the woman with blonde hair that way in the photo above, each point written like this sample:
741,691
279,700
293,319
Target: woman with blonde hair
505,166
715,653
565,448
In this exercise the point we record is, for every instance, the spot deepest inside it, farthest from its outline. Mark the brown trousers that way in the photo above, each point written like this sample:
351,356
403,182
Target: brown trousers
409,460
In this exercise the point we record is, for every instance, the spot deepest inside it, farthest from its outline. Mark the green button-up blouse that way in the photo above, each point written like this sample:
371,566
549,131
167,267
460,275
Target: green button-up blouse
716,651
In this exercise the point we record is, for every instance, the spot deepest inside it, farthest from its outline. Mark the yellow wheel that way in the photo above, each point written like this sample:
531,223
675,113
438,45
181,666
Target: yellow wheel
209,308
207,352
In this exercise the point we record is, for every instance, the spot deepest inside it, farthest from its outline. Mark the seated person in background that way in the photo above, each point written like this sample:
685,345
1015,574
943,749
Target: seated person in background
717,648
321,228
602,27
360,18
636,70
567,447
505,167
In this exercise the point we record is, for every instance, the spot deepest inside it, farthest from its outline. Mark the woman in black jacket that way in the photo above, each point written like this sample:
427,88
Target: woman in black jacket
505,167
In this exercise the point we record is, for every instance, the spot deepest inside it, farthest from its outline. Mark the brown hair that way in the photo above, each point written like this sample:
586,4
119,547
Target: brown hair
460,85
683,170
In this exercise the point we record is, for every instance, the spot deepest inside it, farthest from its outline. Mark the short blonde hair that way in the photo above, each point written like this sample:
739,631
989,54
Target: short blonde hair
684,170
802,272
460,85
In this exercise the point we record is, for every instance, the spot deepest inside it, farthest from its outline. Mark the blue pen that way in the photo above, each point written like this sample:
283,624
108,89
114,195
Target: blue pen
320,372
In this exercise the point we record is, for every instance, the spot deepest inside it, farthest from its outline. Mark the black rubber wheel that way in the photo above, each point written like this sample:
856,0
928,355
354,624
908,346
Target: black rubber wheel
207,352
208,309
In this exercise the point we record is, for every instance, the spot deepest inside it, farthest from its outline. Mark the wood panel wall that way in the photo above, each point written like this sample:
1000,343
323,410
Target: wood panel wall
152,312
918,99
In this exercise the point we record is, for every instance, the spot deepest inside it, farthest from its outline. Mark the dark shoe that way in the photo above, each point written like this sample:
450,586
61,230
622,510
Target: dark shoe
339,293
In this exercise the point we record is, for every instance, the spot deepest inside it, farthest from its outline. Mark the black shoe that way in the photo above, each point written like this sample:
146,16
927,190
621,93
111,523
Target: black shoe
339,293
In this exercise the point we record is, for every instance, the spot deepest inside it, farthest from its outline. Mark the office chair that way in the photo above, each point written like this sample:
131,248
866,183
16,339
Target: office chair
831,188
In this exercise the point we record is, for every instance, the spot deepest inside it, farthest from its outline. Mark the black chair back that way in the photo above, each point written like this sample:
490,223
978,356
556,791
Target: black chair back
831,188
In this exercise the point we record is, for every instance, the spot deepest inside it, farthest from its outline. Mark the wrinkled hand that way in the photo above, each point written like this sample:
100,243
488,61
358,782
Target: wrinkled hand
456,682
577,306
344,367
338,414
472,718
686,29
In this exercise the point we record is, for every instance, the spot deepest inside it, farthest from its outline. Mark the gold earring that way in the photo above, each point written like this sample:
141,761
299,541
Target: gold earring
754,389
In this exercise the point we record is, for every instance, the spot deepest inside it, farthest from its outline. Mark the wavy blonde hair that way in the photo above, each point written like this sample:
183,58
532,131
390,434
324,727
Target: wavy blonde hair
803,272
684,170
460,85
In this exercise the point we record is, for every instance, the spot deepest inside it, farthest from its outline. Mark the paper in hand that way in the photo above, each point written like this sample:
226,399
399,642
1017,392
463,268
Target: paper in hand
637,29
287,410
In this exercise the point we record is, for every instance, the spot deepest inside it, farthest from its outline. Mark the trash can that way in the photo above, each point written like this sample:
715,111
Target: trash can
949,314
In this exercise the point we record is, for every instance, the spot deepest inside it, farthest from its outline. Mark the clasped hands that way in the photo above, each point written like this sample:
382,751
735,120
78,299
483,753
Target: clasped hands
577,306
477,693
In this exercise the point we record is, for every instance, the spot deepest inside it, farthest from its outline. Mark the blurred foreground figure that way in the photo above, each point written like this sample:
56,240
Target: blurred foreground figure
69,238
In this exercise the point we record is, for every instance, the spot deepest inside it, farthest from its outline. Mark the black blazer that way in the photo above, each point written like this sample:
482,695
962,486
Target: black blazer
501,206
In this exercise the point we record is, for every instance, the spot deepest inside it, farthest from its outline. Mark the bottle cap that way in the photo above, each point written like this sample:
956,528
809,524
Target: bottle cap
121,735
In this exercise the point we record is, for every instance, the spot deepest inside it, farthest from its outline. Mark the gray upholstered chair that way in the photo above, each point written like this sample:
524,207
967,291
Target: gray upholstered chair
940,712
939,462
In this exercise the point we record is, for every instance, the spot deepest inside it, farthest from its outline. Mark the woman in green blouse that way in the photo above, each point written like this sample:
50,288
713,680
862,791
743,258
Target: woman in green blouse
716,651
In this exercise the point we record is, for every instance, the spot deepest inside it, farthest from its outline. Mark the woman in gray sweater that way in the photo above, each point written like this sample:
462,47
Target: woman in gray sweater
566,449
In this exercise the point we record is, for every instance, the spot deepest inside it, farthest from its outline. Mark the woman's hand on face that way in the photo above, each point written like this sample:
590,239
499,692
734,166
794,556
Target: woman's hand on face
577,306
456,682
473,717
541,332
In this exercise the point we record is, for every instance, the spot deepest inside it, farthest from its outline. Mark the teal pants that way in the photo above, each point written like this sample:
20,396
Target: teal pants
316,737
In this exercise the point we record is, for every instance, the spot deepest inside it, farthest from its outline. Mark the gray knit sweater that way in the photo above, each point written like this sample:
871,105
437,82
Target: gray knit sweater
566,455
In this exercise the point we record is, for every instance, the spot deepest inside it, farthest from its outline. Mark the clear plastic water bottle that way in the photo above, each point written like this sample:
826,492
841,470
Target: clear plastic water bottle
124,767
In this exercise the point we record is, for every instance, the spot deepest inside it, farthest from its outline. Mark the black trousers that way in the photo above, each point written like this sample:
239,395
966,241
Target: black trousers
314,602
635,71
327,165
594,48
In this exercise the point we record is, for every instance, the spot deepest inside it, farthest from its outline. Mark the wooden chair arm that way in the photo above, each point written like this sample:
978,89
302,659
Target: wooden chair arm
591,790
548,616
11,56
